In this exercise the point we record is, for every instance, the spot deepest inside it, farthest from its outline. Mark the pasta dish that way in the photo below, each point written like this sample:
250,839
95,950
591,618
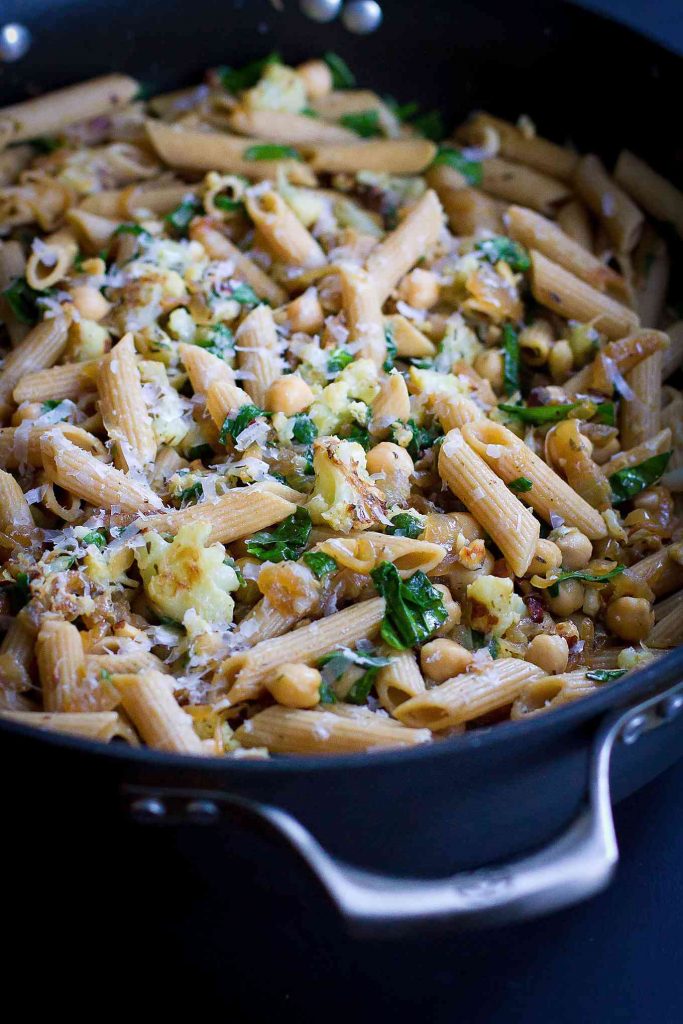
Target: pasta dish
324,428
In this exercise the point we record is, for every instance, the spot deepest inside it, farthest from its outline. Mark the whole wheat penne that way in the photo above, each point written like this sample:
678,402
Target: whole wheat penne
673,355
535,232
392,404
502,515
51,261
244,674
94,233
388,156
510,458
616,358
621,218
16,521
566,294
214,151
468,696
662,608
221,248
85,476
574,219
640,412
223,399
282,231
655,445
334,105
289,129
519,184
469,211
651,272
456,411
40,349
653,192
668,630
550,692
233,515
409,341
16,655
401,250
12,262
99,666
13,161
156,198
61,665
363,312
400,680
204,368
290,731
257,347
557,161
57,382
46,114
103,726
263,622
20,447
123,408
148,700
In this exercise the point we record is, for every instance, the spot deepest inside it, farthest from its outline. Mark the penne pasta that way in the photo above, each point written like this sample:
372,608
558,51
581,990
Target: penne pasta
61,665
525,148
40,349
123,408
516,183
655,194
390,156
615,360
103,726
620,217
363,311
399,681
574,220
148,700
258,353
401,250
289,129
282,231
221,248
57,383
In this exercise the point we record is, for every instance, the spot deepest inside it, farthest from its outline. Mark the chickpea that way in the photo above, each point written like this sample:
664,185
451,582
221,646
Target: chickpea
550,653
303,314
317,78
296,685
575,547
443,659
31,411
389,459
546,557
289,394
420,289
89,302
631,618
489,365
392,403
569,599
452,610
560,361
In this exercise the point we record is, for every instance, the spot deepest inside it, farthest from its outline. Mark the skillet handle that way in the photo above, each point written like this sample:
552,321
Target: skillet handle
579,864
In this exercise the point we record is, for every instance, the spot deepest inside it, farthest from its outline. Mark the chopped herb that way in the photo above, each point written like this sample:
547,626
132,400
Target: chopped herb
178,220
338,359
191,494
405,525
364,123
234,425
584,577
49,405
502,248
334,666
478,639
309,112
271,151
200,451
228,204
605,675
245,295
327,694
320,564
521,485
23,300
235,567
96,537
304,430
606,413
235,80
510,360
471,170
286,541
628,482
391,349
342,75
105,676
414,609
430,125
360,435
539,414
422,437
403,111
494,647
19,592
46,143
131,229
61,563
217,339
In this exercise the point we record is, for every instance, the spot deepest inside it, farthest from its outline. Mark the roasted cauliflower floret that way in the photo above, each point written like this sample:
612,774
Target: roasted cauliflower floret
344,496
184,575
494,606
346,398
280,88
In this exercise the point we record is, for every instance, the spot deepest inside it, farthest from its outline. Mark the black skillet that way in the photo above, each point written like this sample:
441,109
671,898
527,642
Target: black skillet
391,829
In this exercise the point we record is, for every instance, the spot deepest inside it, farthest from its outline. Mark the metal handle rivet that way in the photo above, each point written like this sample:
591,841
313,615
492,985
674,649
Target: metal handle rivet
362,16
633,728
321,11
148,808
15,41
202,810
671,706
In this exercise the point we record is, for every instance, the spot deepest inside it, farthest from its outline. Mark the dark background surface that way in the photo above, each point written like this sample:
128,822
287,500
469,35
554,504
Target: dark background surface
98,934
